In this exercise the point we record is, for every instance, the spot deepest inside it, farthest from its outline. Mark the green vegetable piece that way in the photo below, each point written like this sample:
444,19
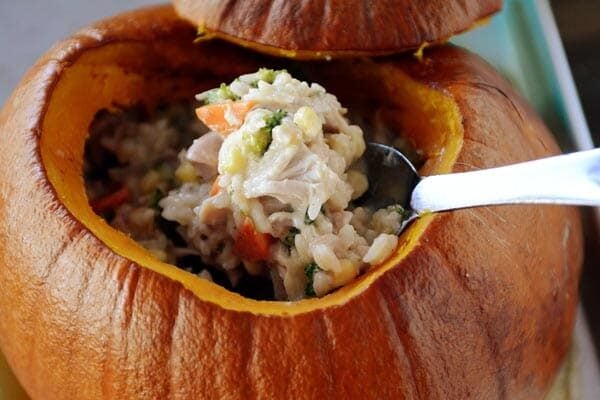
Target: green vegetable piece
267,75
289,239
309,290
309,271
157,196
259,142
275,119
222,93
404,213
225,92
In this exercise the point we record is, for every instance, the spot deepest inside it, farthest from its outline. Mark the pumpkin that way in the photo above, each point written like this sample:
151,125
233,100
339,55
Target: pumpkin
310,29
476,303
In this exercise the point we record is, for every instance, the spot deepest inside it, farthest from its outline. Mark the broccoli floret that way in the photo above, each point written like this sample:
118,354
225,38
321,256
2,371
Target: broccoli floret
267,75
275,119
259,142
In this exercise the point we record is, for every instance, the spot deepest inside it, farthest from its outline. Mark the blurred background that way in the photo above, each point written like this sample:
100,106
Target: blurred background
29,27
579,25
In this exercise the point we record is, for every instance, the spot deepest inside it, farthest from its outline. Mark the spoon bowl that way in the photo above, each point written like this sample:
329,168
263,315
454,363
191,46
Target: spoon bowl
392,177
572,179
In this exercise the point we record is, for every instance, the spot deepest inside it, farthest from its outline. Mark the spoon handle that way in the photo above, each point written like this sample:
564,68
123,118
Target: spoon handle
566,179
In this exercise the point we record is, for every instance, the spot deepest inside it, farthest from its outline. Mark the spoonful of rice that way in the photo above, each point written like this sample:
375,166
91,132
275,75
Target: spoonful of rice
572,179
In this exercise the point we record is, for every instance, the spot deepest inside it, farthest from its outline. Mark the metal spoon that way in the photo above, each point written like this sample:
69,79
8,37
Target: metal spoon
566,179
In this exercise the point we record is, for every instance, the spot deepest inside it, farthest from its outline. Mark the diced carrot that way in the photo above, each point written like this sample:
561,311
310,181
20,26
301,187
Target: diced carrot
215,188
110,201
251,245
213,115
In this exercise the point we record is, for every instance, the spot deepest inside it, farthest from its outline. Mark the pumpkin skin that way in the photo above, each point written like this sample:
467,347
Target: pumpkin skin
476,303
310,29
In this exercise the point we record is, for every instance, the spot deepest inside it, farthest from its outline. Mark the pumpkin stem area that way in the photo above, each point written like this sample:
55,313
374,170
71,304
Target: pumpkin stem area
141,115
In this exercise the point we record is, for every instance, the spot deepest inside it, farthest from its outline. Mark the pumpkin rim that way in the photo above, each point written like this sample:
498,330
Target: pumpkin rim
122,245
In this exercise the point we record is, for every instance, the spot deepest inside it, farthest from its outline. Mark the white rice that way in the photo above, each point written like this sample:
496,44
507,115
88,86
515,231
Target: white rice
288,167
303,182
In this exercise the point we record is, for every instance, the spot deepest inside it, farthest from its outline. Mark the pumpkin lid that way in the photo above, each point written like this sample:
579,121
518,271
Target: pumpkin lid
334,28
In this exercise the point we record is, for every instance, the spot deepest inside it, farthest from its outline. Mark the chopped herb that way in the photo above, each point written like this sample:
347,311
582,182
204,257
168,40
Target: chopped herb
222,93
307,219
309,290
275,119
404,213
289,239
157,196
309,271
259,142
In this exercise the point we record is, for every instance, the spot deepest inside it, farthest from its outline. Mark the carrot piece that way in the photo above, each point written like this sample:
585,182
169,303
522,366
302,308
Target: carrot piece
215,188
251,245
110,201
213,115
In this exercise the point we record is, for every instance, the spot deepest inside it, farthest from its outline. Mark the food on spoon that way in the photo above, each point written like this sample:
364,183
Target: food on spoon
266,191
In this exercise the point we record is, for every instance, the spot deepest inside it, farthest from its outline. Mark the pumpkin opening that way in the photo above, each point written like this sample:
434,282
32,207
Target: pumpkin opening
130,73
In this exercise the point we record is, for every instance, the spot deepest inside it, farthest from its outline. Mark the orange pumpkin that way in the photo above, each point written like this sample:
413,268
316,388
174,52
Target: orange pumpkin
476,303
311,29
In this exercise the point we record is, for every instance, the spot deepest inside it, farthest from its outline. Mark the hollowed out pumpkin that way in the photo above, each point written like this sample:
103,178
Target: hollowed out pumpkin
476,303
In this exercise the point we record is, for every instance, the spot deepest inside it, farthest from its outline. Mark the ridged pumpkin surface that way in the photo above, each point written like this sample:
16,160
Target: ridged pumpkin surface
476,304
332,28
